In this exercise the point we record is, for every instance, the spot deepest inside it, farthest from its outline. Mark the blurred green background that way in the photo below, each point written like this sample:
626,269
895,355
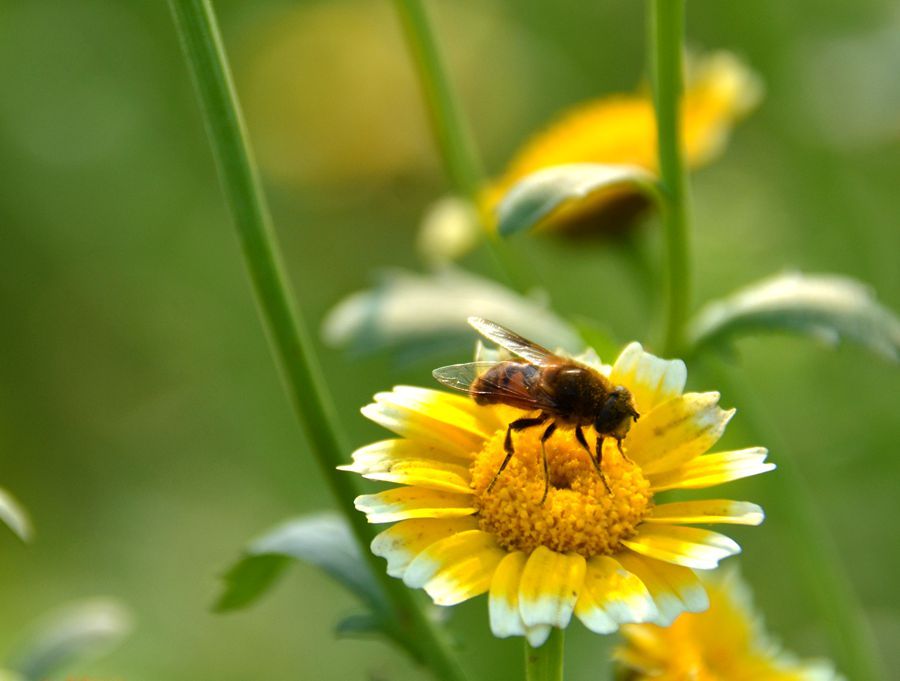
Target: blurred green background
142,421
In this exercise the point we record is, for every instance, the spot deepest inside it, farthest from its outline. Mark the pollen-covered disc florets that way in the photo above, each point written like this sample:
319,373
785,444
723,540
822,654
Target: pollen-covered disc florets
608,557
578,514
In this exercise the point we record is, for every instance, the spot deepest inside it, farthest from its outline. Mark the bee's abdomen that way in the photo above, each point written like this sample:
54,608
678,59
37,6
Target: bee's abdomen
505,383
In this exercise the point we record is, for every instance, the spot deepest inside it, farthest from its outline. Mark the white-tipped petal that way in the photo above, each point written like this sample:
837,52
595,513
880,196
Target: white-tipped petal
503,605
687,546
403,503
713,469
650,380
401,543
674,589
707,511
612,596
456,568
677,431
549,587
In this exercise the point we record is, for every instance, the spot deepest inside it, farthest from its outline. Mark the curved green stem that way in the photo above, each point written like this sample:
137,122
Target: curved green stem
666,44
546,663
816,560
453,138
448,127
291,341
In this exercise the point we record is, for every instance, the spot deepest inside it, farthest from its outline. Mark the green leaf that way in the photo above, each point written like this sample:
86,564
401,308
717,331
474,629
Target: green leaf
828,307
75,633
429,311
360,625
14,516
542,195
7,675
323,540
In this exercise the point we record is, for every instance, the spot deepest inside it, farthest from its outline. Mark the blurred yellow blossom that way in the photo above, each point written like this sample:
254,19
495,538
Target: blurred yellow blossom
621,130
332,98
725,643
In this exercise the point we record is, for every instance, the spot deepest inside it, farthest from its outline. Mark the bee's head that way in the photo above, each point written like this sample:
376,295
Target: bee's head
617,413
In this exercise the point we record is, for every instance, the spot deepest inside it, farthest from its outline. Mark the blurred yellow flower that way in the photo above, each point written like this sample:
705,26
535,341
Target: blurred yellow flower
621,130
332,98
725,643
608,556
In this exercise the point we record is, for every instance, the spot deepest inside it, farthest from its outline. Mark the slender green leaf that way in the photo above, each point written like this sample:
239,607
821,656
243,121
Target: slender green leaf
408,310
14,516
828,307
360,625
75,633
323,540
543,195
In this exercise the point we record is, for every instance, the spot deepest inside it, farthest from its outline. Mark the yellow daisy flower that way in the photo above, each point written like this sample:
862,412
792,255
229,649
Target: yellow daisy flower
621,130
725,643
608,557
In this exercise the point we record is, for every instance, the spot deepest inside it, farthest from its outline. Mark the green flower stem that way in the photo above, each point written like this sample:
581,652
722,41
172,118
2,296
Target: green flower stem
666,45
452,136
816,559
294,351
454,142
546,663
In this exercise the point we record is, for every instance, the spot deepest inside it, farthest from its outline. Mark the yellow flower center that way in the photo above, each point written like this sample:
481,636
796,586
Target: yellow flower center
579,514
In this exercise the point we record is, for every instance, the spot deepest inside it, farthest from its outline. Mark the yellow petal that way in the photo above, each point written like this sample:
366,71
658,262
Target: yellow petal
721,91
549,587
410,463
722,511
650,380
402,542
674,589
378,455
413,502
457,568
712,469
437,422
460,409
676,431
503,606
612,596
687,546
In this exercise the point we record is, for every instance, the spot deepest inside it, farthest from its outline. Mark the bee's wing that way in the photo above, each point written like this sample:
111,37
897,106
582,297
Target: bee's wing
511,390
515,343
461,376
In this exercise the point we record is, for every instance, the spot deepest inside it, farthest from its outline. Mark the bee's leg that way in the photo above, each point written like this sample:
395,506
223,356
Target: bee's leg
599,463
621,451
582,440
546,436
518,424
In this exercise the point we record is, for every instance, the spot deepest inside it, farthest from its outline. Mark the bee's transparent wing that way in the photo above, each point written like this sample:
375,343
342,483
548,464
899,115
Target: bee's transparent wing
461,376
513,386
524,348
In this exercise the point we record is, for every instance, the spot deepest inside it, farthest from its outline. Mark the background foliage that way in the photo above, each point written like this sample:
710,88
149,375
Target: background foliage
141,418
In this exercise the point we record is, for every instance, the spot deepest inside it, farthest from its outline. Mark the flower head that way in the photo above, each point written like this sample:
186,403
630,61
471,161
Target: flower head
601,548
727,641
621,130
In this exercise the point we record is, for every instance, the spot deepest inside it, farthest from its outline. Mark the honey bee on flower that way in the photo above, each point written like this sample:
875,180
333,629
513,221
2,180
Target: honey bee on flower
549,538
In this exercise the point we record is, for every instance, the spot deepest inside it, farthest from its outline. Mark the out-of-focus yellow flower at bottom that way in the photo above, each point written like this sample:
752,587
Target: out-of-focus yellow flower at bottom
604,549
725,643
621,130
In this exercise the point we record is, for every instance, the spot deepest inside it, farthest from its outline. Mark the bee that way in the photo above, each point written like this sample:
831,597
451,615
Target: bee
566,393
